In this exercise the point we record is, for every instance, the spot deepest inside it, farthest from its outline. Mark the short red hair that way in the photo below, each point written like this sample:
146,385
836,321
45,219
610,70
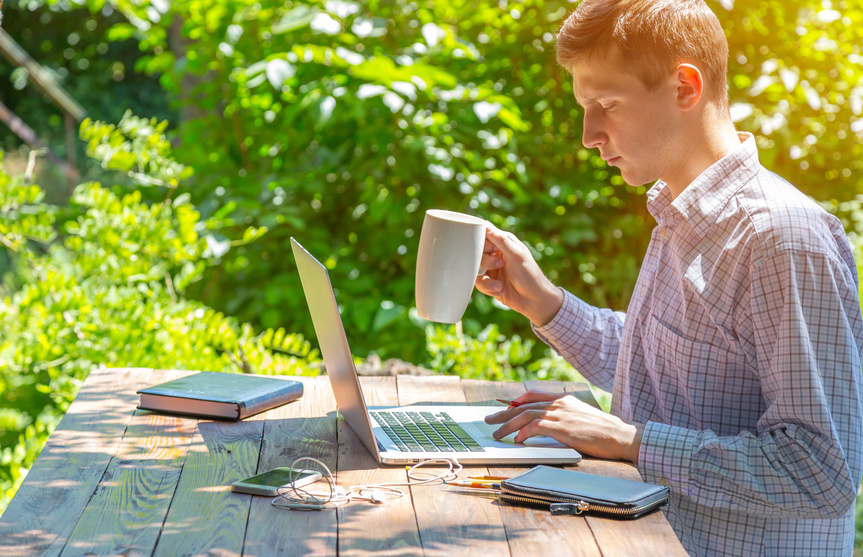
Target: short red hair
652,37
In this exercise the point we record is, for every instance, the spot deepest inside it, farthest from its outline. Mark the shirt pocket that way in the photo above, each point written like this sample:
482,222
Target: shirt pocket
700,385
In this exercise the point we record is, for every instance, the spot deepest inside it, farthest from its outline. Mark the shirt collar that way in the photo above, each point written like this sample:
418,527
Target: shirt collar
703,199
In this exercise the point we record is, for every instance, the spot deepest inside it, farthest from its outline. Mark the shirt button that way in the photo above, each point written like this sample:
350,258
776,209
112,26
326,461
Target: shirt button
662,233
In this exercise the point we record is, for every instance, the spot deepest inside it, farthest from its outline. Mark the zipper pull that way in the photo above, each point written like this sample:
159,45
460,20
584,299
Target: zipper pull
569,508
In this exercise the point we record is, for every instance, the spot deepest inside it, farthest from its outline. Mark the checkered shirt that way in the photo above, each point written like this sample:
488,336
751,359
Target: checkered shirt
741,352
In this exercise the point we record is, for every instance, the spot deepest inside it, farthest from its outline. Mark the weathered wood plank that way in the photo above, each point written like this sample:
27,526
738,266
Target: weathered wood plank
46,508
205,516
366,528
304,428
649,535
126,513
451,520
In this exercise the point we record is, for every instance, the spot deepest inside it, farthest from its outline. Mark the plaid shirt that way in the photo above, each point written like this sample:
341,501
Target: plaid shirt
741,352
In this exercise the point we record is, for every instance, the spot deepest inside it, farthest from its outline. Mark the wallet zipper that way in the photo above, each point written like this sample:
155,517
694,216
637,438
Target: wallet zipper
581,506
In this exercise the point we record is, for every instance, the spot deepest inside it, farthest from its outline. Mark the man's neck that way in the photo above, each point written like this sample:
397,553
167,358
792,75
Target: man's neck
701,149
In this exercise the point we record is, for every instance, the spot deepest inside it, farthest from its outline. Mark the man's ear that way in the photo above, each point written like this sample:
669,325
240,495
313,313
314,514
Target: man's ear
690,86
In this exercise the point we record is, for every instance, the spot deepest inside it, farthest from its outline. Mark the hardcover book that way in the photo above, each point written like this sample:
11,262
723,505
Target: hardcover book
228,396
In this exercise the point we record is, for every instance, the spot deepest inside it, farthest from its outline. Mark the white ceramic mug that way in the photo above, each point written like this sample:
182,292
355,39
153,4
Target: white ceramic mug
448,262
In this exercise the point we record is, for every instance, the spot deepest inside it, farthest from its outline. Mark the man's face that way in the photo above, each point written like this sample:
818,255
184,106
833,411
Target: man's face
634,129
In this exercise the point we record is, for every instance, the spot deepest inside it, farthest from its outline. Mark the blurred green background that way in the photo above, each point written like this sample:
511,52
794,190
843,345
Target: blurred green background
218,130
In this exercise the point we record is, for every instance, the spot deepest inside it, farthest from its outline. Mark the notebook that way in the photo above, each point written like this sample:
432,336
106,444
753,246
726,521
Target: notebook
210,394
409,434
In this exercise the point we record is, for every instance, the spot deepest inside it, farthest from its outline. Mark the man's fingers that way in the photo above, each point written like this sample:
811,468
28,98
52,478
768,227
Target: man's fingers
522,417
490,262
506,414
489,286
511,426
538,426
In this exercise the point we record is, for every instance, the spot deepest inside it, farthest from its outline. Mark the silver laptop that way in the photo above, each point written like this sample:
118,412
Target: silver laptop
408,434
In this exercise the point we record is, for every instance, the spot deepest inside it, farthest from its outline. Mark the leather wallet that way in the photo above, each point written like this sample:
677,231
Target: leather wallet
569,492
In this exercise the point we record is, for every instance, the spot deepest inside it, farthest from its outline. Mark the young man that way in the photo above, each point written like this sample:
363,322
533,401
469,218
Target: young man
736,370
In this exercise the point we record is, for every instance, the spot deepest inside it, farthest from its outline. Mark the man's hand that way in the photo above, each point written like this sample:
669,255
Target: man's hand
513,277
573,423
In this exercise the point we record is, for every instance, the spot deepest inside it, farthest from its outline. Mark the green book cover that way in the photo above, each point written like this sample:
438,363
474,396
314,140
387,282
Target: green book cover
231,396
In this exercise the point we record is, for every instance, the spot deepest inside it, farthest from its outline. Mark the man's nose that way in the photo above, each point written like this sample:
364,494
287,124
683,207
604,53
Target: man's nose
592,136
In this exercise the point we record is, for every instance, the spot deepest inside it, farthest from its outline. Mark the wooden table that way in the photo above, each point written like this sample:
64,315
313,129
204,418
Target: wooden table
116,480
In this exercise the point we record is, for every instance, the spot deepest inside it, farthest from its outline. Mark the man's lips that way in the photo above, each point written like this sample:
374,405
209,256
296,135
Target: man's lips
611,161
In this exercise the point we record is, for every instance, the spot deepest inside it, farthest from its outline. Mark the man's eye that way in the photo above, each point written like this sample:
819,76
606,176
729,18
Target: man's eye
609,107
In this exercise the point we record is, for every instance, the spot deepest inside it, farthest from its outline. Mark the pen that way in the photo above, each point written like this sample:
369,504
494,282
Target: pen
487,478
477,485
513,403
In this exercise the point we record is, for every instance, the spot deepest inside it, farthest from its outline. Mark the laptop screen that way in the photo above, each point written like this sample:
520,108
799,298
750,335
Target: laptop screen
334,345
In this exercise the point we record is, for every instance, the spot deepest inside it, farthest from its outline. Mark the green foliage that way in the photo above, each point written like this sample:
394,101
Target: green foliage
491,355
102,283
796,68
72,45
20,221
136,146
341,122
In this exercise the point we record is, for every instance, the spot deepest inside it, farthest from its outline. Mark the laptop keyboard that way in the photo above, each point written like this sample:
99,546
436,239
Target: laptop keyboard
426,432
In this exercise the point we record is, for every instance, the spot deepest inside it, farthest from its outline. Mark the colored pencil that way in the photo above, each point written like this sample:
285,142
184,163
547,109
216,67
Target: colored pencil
475,485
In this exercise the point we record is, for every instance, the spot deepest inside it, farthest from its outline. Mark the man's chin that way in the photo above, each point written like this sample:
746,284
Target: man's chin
635,180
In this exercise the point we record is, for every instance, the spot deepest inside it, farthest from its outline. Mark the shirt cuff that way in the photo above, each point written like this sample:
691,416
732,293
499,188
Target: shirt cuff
665,455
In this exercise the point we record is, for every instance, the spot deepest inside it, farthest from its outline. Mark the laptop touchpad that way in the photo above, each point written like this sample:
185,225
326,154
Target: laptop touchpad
486,430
